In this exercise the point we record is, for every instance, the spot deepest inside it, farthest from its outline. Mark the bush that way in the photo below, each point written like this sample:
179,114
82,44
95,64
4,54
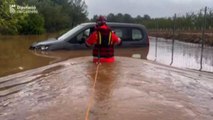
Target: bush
32,24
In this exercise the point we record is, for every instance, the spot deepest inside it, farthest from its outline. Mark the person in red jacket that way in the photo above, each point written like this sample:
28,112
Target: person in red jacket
104,40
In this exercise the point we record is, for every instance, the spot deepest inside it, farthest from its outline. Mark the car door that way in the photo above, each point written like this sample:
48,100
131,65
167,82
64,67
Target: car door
130,36
78,41
136,37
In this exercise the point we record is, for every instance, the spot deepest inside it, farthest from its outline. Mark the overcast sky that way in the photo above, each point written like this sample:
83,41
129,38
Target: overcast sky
154,8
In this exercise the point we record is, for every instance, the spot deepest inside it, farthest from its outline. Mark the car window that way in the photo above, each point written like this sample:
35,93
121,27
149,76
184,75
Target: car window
128,34
123,33
82,36
72,31
118,32
136,34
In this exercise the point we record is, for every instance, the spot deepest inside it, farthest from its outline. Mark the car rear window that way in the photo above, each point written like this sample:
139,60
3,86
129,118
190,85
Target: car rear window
128,34
136,34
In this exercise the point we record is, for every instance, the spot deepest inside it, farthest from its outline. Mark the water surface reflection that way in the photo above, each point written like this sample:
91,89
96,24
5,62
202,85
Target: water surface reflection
185,55
15,56
104,88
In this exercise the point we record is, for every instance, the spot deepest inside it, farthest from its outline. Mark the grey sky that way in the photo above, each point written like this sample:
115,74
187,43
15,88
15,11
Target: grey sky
154,8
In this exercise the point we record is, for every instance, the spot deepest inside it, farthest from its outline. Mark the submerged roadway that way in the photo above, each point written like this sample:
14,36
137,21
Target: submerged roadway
129,89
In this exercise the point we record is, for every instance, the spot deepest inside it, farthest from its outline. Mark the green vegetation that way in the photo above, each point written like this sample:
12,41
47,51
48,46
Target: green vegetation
52,16
9,22
59,15
32,24
189,21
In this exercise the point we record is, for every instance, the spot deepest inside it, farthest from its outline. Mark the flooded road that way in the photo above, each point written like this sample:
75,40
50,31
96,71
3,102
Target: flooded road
15,56
127,89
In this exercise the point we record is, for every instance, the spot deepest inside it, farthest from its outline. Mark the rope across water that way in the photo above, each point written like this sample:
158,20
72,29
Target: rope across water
92,94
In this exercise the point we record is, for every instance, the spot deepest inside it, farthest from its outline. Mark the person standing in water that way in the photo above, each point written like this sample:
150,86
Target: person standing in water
104,40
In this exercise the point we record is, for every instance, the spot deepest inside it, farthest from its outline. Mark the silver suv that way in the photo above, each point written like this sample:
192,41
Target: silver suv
132,35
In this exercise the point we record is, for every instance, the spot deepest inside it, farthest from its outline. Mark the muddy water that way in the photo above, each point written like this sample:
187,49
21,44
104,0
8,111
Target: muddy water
15,56
129,89
184,55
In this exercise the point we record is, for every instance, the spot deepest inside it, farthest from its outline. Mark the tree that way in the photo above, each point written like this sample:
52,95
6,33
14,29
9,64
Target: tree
79,11
94,18
146,17
127,18
8,20
111,17
67,13
33,24
138,19
18,23
53,15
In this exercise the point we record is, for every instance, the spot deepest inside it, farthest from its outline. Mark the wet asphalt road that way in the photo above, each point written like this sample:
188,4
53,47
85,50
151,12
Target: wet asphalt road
129,89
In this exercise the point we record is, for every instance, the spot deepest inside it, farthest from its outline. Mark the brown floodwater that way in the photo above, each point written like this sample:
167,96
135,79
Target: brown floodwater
184,55
16,57
129,89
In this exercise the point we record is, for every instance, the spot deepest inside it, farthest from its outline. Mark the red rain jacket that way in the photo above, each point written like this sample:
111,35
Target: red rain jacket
104,40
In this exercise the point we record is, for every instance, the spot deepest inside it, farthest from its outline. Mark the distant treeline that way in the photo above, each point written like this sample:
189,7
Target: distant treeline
57,15
189,21
52,16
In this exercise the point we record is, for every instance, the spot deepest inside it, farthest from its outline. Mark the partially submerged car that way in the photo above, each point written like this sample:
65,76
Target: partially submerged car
132,35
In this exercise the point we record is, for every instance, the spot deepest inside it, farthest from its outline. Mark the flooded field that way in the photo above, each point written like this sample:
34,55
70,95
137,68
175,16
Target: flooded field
15,56
185,55
137,89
